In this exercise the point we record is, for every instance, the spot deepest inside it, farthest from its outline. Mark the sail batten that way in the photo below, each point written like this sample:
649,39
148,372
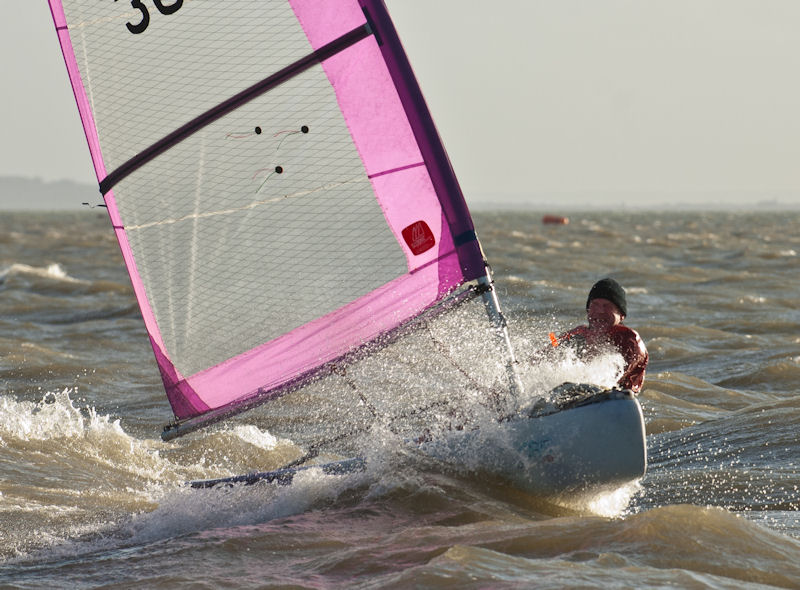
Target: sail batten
304,208
233,103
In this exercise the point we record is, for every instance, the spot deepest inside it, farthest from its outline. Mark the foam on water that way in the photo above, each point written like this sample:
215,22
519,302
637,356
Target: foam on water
54,419
131,491
610,504
52,271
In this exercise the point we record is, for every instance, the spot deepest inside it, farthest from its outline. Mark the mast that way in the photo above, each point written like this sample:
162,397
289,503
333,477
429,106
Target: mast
500,330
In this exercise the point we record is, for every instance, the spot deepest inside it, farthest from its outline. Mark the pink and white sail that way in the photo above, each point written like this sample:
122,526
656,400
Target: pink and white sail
276,183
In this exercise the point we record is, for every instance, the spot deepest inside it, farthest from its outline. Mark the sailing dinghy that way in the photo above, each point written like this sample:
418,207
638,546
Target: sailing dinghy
284,206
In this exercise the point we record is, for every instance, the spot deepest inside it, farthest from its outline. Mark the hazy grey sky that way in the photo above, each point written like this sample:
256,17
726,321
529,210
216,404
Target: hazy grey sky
614,98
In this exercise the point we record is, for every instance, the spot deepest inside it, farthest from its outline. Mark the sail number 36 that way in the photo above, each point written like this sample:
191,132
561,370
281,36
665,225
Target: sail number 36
163,8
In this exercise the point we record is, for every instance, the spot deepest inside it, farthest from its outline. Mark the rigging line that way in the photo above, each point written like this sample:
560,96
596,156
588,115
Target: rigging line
493,394
315,449
342,372
304,129
231,104
277,169
446,354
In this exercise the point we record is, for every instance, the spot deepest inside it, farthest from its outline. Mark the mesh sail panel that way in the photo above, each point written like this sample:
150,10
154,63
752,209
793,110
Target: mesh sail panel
274,179
141,86
216,232
224,235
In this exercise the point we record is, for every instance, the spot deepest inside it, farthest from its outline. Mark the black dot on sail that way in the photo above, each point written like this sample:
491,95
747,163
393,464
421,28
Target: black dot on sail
278,170
258,130
304,128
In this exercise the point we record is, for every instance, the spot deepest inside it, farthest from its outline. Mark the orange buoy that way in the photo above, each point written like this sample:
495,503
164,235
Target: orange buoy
555,220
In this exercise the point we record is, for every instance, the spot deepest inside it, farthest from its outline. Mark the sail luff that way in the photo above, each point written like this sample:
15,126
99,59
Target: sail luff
79,92
168,372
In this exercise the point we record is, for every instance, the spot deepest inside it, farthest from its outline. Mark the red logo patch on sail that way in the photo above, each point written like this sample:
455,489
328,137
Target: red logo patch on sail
419,237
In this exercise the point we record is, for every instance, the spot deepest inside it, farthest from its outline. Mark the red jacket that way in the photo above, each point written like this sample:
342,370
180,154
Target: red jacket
625,340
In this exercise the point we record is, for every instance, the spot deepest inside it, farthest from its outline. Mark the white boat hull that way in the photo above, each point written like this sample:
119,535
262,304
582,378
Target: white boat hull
595,447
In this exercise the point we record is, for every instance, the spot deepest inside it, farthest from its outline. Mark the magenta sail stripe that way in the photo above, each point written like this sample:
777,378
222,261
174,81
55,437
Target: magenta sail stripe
441,171
169,375
390,123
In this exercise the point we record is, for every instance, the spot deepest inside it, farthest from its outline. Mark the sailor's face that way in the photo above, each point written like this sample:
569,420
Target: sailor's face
603,314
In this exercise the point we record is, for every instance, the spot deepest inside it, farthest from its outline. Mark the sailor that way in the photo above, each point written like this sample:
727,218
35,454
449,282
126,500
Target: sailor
606,308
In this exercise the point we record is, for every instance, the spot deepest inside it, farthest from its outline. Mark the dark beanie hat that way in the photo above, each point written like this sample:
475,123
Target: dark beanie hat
611,290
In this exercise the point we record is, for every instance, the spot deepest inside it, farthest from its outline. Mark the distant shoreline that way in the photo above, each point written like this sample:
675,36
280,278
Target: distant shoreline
567,208
35,194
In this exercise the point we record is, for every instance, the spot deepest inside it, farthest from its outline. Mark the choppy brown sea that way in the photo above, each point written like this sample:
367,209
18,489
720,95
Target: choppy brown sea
91,497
